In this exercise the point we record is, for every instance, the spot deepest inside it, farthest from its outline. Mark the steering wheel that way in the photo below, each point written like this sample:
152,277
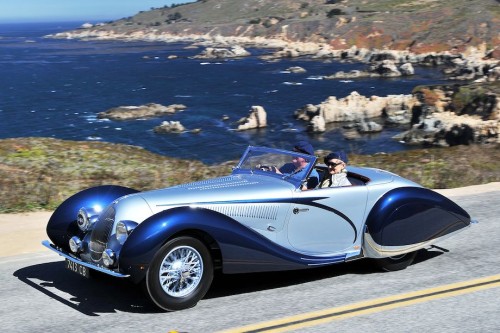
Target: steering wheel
270,168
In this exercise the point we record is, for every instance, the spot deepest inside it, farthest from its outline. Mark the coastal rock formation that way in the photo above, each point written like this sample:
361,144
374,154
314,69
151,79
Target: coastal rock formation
357,108
221,53
368,126
169,127
385,68
142,111
451,115
447,129
256,118
317,124
296,69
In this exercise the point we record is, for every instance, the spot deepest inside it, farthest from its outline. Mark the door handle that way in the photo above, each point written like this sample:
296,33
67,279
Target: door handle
297,210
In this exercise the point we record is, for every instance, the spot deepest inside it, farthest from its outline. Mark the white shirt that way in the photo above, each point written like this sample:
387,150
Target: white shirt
337,179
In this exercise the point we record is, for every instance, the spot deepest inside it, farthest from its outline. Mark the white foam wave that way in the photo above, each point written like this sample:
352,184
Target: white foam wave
315,77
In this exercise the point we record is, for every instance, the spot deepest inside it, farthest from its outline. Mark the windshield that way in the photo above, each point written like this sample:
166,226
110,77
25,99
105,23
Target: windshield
276,163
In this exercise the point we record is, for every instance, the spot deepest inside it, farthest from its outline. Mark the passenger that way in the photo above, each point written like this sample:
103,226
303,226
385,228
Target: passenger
298,166
336,162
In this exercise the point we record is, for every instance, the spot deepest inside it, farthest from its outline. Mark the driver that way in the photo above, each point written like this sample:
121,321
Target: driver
298,166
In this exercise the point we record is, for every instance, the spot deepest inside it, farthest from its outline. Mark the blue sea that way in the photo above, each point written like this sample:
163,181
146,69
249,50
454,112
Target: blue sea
55,88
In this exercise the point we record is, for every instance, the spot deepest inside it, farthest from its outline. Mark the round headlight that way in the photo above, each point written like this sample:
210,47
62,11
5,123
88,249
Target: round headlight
75,244
82,219
87,216
123,229
121,232
108,258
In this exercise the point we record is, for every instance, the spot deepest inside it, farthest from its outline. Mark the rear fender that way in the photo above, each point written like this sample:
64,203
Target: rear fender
62,224
409,216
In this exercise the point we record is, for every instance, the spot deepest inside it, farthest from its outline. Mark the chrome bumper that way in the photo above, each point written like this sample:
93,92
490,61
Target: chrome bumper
81,262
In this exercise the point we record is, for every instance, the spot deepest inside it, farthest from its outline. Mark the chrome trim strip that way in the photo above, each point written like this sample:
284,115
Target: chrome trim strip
83,263
373,250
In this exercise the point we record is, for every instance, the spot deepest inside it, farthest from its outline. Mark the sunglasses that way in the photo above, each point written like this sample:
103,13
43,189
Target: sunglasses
333,164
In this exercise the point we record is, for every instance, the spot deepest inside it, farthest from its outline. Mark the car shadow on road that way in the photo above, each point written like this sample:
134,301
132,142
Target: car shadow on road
226,285
105,294
99,294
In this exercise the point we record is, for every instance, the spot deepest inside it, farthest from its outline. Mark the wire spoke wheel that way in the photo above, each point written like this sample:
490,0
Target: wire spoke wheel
180,274
181,271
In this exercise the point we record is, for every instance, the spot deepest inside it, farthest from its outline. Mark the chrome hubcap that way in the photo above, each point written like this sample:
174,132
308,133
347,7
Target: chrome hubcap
181,271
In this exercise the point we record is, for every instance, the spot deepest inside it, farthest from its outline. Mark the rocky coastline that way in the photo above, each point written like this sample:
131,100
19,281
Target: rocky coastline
474,63
432,114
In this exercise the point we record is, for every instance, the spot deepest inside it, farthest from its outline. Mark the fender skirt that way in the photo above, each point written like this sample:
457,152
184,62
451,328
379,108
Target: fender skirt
412,215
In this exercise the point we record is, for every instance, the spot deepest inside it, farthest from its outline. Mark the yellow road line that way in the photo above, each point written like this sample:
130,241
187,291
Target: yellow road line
370,306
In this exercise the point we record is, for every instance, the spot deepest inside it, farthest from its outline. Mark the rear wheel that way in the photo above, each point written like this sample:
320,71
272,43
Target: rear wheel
396,263
180,274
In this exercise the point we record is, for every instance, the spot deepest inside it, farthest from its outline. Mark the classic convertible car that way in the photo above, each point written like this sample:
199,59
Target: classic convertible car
252,220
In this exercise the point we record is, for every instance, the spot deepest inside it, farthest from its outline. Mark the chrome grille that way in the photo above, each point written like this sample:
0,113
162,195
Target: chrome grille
100,233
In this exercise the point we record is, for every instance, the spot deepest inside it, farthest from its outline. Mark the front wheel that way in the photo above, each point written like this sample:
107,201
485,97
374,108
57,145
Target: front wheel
396,263
180,274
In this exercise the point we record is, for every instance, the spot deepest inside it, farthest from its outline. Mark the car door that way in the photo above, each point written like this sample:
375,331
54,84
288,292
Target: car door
327,221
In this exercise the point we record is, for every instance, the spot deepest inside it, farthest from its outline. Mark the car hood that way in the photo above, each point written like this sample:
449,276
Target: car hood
228,189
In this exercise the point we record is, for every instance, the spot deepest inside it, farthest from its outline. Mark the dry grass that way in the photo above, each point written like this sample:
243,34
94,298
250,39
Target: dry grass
39,173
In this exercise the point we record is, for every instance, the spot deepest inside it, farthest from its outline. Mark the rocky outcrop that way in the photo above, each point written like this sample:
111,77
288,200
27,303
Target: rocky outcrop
221,53
442,116
142,111
256,118
385,68
448,129
296,70
169,127
357,108
453,115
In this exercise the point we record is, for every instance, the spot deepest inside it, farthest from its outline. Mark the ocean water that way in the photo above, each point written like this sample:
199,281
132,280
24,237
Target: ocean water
56,88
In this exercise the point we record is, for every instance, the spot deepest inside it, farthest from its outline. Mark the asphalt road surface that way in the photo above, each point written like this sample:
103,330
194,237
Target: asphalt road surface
451,288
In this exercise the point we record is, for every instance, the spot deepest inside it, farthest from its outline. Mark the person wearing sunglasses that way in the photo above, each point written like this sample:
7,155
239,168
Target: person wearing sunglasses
336,162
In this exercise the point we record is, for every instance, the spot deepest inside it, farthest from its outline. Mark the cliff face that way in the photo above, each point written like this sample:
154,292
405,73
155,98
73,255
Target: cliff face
416,26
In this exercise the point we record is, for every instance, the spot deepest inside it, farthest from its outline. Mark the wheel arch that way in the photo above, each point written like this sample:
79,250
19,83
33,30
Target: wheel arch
203,236
153,233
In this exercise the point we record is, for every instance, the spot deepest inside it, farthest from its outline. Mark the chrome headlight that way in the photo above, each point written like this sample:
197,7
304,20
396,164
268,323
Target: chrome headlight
108,258
123,229
75,244
87,216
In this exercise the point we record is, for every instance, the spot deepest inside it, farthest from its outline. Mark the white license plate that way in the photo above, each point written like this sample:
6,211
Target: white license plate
77,268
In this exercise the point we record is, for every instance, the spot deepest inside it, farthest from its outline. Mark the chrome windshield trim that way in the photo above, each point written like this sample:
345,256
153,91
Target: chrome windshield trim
81,262
250,163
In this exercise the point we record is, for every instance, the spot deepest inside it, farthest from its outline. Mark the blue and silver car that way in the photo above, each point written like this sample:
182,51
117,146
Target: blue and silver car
253,220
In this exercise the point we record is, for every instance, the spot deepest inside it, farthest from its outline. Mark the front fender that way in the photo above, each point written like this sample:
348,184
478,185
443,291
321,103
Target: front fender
413,215
242,249
62,224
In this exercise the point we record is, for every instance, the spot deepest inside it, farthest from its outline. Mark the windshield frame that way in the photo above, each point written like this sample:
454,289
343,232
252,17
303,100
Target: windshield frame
255,156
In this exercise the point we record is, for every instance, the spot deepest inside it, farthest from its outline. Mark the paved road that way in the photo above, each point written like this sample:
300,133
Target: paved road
39,295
